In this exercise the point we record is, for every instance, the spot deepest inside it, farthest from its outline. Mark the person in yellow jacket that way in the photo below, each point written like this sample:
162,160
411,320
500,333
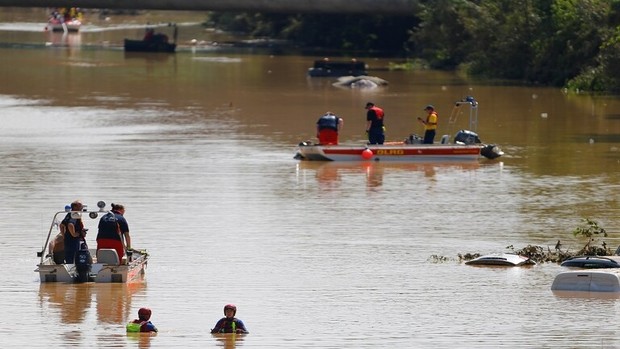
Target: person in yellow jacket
430,124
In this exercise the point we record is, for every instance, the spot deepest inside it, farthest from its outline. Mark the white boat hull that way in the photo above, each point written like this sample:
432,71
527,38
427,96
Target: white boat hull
71,26
100,272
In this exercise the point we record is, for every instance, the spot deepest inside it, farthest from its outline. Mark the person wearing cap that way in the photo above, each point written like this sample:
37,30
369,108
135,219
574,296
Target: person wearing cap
229,323
430,124
374,124
73,231
328,127
142,323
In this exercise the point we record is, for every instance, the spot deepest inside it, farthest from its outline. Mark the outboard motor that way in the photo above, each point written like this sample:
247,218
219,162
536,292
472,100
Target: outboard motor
491,151
466,137
83,263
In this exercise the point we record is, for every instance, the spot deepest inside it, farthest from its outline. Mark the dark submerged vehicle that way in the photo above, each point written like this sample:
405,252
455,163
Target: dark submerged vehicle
325,67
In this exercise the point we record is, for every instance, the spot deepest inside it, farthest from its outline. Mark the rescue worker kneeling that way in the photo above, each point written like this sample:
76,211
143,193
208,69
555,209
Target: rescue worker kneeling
327,128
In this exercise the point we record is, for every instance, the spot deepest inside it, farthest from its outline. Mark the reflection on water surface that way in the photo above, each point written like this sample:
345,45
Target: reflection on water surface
198,147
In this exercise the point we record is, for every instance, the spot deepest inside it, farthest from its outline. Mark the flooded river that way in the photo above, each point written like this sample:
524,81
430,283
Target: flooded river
199,148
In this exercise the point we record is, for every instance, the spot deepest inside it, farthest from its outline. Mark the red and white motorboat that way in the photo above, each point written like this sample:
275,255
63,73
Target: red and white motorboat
404,152
397,152
67,20
465,146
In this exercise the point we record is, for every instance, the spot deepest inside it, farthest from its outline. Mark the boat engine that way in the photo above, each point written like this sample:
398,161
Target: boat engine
491,151
83,263
466,137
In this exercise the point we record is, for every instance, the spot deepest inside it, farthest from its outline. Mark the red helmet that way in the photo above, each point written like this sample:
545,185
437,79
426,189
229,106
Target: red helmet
144,313
230,306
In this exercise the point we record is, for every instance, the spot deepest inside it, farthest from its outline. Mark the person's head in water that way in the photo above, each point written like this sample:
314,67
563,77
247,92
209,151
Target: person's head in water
144,314
230,310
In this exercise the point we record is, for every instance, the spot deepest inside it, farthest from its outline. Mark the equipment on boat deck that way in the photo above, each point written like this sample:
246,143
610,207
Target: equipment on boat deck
466,146
105,267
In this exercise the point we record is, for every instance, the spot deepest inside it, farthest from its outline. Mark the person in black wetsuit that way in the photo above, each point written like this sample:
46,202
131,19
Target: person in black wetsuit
229,323
375,129
73,231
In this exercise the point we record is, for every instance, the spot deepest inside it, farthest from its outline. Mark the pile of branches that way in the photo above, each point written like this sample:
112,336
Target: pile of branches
589,229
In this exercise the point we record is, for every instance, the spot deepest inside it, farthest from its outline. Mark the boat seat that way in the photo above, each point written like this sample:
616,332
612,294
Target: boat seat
108,256
445,139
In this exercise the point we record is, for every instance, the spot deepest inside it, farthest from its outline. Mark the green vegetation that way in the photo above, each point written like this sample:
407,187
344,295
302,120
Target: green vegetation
348,33
589,229
569,43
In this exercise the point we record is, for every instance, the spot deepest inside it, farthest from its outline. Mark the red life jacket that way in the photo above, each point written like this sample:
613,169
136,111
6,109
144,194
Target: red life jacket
378,112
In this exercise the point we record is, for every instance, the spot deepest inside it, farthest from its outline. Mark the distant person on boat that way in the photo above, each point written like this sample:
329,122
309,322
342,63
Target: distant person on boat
430,124
151,36
114,231
229,323
328,127
375,129
75,13
73,232
57,248
148,34
142,323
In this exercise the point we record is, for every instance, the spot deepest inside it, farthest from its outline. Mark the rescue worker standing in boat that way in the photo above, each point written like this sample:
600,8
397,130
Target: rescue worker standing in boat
374,124
328,127
229,323
113,228
73,231
430,124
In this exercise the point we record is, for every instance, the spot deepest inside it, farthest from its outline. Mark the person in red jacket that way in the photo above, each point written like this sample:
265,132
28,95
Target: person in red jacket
375,129
328,127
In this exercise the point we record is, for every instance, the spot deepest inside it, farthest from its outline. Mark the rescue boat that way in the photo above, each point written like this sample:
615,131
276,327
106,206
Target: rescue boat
157,42
70,26
465,146
103,266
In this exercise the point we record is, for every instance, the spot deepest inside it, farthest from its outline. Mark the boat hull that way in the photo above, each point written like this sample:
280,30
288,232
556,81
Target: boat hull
148,46
401,152
100,272
70,27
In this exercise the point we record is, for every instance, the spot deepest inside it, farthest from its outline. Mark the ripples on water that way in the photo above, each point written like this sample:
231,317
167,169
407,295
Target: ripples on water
314,255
